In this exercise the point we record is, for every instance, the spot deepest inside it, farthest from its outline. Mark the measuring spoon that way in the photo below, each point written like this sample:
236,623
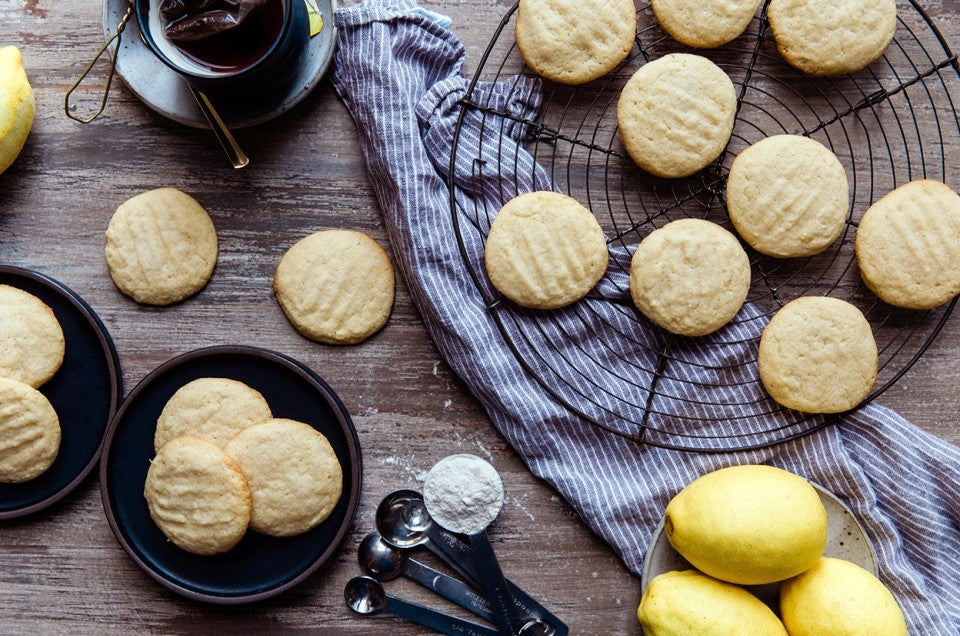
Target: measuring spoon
365,595
385,562
403,521
464,494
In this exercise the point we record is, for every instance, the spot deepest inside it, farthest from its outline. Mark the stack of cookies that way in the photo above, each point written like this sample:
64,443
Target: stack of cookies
32,347
224,464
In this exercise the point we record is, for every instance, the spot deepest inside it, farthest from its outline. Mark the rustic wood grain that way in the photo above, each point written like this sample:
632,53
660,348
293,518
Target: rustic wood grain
62,569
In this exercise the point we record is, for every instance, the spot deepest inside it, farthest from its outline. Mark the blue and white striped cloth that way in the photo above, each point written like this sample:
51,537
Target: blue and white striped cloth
398,69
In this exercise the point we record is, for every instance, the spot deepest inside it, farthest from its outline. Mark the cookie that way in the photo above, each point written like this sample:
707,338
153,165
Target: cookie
575,41
704,23
676,114
545,250
197,496
788,196
335,286
908,245
832,38
214,409
294,475
818,355
29,432
32,344
161,247
690,277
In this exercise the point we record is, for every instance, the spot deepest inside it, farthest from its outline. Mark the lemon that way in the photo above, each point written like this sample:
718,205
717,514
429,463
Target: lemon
689,602
749,525
840,598
17,106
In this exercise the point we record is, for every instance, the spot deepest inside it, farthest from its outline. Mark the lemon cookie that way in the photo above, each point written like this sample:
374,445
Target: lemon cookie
832,38
214,409
32,344
17,106
29,432
161,247
908,245
690,277
545,250
575,41
676,114
818,355
294,475
787,195
704,23
197,496
335,286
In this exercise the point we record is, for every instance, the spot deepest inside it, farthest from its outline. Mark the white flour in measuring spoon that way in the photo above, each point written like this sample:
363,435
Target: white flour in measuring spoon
463,493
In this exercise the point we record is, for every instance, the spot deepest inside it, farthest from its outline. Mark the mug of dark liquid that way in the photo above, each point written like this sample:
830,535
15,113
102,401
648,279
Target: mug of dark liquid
253,56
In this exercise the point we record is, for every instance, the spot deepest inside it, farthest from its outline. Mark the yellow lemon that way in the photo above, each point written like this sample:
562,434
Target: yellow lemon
749,525
840,598
17,105
689,602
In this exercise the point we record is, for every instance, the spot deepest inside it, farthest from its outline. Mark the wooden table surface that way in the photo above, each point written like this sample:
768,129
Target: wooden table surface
62,569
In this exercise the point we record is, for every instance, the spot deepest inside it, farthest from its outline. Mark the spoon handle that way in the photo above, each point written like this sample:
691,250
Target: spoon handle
449,588
461,558
227,141
455,553
495,585
433,619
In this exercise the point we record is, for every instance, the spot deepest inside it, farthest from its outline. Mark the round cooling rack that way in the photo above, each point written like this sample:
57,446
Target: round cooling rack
891,123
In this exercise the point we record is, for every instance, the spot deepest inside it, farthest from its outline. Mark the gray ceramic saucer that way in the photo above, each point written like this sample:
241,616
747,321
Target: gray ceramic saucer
845,540
165,92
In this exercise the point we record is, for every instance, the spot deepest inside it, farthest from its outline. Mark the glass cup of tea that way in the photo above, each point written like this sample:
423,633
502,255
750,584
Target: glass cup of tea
228,49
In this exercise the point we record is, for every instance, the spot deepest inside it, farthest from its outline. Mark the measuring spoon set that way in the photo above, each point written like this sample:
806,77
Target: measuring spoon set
404,523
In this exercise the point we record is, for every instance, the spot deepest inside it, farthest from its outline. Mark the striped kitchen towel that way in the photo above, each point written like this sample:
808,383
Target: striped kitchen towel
399,70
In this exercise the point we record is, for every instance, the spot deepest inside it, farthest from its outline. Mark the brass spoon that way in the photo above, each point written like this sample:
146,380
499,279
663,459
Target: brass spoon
227,141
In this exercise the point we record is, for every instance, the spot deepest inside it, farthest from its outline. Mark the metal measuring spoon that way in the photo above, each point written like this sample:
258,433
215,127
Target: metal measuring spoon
365,595
403,521
385,562
464,494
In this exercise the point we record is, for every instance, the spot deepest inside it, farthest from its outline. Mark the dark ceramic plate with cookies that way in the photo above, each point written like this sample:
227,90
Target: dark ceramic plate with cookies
259,566
85,392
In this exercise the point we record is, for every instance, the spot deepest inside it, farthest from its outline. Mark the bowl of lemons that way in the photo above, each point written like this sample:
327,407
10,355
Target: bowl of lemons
757,549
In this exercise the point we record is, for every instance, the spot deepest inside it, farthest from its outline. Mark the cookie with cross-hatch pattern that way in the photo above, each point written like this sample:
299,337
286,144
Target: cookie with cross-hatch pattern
161,246
336,286
676,114
575,41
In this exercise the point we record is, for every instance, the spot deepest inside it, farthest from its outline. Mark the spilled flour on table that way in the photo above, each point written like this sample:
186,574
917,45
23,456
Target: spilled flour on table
407,465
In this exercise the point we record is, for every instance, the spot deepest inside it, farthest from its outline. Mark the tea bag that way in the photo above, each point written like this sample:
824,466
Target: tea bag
192,20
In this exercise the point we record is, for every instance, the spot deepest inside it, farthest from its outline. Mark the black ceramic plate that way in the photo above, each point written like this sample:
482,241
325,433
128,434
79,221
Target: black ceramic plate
259,566
85,392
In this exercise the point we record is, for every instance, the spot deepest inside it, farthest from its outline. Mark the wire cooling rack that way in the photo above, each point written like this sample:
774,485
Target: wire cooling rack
890,123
